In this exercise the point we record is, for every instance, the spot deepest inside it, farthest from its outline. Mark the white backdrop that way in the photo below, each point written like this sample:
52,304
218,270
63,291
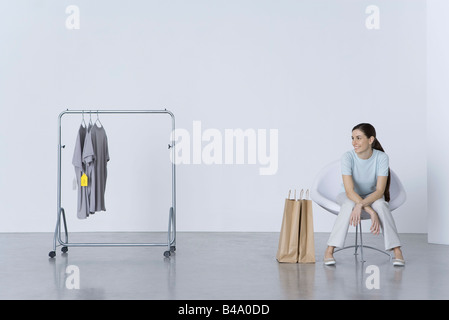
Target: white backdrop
438,114
309,69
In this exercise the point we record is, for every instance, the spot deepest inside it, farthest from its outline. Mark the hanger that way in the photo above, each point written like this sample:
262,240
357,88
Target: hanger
98,120
90,117
83,123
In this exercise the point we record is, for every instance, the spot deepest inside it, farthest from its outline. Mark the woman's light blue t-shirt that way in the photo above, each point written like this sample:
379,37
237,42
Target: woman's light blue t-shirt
364,172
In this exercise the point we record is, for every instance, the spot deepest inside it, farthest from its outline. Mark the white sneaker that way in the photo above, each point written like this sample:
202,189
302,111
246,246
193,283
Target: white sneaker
329,261
398,262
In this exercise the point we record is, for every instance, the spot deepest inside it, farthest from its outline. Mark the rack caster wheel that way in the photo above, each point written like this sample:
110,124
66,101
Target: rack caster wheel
64,249
52,254
172,249
167,254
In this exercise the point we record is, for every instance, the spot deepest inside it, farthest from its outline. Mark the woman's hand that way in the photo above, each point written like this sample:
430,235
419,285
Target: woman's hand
375,222
354,220
357,212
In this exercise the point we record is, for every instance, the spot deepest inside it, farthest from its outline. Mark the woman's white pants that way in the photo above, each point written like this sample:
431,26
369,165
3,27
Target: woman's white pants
340,229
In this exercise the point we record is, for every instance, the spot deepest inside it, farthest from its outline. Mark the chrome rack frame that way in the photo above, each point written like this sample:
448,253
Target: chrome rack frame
171,236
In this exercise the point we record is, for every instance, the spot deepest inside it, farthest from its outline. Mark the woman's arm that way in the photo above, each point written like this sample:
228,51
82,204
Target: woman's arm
351,194
364,203
348,183
378,194
349,189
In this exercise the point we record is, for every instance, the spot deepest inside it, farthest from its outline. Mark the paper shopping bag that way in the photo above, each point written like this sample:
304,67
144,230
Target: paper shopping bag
289,237
306,233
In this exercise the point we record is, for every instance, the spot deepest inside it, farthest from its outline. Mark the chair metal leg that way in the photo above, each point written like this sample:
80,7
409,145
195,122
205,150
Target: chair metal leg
361,241
356,246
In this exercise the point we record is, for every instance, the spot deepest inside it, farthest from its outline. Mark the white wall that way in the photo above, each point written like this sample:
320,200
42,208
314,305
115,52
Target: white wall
438,115
310,69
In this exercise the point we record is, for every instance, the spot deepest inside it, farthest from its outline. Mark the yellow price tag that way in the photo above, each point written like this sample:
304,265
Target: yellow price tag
84,180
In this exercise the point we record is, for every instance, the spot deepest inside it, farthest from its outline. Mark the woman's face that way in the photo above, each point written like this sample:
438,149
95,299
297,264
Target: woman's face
360,142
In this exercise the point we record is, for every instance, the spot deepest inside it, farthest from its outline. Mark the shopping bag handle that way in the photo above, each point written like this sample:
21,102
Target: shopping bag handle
307,195
289,195
301,194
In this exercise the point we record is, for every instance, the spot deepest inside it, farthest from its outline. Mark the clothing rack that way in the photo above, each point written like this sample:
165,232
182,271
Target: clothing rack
61,219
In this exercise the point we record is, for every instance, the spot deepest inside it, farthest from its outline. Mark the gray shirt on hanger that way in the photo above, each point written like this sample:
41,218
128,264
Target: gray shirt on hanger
101,151
83,158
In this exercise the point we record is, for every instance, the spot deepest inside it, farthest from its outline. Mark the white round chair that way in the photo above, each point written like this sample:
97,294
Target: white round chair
327,186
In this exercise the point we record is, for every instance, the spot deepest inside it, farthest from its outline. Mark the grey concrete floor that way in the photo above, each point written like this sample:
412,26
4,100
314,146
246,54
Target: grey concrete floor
212,266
